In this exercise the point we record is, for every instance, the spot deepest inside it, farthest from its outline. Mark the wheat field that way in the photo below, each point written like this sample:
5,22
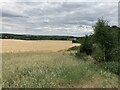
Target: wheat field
9,45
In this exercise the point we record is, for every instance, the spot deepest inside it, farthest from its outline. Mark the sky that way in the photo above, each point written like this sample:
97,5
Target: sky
55,18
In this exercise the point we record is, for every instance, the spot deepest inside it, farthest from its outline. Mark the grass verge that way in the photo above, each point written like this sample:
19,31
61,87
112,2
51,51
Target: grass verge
52,70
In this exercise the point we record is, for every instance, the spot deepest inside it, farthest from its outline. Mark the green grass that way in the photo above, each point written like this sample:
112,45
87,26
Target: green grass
52,70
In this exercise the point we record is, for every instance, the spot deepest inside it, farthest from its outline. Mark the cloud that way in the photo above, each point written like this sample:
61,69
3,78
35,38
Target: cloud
56,18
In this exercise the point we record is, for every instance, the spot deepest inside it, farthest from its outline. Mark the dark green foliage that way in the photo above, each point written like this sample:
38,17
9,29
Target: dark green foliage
115,54
97,53
107,37
86,46
99,31
104,44
101,36
111,67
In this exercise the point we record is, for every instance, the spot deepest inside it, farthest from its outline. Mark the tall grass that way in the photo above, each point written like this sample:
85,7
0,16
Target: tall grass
45,70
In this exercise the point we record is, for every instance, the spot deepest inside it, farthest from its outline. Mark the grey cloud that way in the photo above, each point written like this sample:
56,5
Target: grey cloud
66,18
7,13
11,14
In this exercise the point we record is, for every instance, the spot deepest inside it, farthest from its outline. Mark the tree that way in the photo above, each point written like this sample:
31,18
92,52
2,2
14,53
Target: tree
115,53
103,36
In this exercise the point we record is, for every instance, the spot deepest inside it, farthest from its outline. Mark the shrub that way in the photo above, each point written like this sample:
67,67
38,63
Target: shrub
97,53
75,41
115,54
111,67
86,46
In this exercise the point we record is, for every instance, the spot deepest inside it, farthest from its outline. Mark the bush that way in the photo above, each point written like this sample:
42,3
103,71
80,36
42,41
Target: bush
115,54
97,53
111,67
75,41
86,46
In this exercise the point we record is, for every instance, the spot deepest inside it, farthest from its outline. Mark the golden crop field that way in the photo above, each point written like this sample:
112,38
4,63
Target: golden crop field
9,45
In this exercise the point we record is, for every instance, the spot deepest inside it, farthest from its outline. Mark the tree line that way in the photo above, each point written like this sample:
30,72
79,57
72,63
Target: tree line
35,37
